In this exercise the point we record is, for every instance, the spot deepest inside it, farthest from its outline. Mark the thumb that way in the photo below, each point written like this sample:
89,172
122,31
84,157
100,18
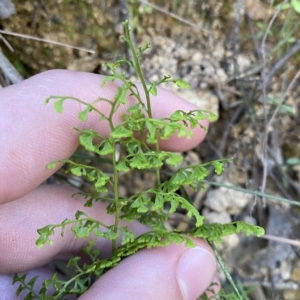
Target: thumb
170,273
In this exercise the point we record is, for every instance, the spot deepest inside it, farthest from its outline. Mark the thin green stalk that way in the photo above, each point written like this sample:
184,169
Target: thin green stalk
74,280
158,181
81,102
92,158
222,265
115,179
28,287
116,194
138,68
256,193
209,163
142,79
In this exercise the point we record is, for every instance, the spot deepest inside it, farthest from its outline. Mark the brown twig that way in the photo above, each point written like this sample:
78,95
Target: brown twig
264,152
45,41
2,81
253,36
236,26
240,109
269,124
6,43
181,19
249,72
281,240
277,66
9,70
221,86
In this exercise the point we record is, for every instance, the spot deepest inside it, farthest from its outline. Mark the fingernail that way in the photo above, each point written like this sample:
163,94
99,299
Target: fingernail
195,272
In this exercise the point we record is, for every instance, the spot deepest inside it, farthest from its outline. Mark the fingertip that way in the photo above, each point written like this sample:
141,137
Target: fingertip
195,272
169,273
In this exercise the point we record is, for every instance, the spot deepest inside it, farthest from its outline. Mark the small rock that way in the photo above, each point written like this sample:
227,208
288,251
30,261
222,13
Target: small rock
75,181
216,217
7,8
224,199
256,10
122,190
192,158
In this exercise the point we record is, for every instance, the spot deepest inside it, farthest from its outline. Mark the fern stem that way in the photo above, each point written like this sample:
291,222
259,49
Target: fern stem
142,79
115,177
117,204
138,68
222,265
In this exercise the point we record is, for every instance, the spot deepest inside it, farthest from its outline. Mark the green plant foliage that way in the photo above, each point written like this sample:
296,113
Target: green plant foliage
151,207
295,4
223,295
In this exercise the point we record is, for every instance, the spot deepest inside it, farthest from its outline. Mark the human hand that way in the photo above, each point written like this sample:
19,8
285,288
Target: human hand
31,136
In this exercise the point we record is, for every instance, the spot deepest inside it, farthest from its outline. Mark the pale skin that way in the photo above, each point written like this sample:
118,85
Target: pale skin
31,136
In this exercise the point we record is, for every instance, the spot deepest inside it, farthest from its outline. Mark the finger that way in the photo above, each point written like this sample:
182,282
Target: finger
169,273
46,205
32,134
